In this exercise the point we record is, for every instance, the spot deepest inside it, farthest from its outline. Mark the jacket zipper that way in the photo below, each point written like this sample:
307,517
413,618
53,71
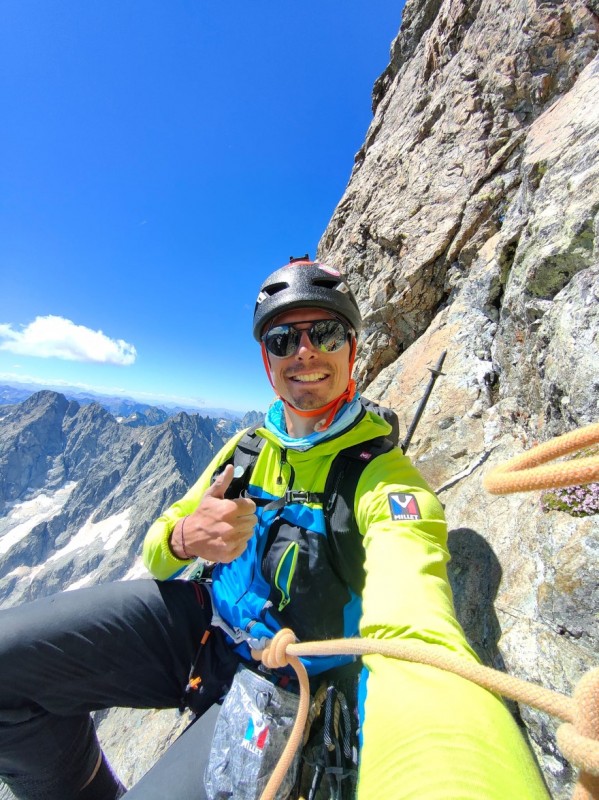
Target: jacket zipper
283,461
285,572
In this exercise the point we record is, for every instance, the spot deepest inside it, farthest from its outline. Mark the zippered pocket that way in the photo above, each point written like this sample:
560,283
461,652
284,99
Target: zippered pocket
305,592
284,573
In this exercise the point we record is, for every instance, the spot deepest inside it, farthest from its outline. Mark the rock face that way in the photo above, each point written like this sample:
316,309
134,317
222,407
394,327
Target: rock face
471,224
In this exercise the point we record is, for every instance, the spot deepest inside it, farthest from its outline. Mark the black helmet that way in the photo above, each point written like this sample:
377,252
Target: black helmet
305,284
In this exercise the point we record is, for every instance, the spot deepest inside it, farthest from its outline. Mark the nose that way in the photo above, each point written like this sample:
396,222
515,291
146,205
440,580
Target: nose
305,348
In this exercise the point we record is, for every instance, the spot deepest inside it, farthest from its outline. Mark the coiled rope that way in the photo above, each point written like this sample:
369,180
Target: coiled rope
578,736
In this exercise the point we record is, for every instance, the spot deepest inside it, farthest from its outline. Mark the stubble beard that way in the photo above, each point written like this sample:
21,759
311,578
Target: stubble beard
306,398
308,402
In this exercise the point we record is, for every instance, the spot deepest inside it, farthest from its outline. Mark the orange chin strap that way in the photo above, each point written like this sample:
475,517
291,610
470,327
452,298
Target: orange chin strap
333,407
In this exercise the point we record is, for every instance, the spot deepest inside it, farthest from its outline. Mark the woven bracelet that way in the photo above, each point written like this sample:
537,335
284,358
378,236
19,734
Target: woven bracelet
185,553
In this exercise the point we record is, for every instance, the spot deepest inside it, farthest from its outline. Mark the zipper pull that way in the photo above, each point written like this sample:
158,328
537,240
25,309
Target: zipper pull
282,463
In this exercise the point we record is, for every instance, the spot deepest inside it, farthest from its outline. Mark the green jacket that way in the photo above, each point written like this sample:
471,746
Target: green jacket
426,733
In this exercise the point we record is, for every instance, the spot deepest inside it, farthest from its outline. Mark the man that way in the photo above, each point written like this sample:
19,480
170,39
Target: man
425,733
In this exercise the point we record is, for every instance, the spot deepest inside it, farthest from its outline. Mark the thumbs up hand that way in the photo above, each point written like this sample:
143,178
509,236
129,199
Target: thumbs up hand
219,529
221,483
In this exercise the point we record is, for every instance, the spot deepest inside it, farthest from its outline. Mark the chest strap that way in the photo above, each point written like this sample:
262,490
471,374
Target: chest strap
290,496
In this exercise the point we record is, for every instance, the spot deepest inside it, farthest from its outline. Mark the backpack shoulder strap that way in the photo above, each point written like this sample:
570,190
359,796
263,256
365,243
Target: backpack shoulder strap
385,413
340,490
244,459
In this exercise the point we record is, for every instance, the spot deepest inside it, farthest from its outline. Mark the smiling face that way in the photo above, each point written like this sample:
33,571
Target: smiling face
309,378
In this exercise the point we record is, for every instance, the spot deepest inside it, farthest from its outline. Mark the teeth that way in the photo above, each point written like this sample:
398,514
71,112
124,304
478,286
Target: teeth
311,378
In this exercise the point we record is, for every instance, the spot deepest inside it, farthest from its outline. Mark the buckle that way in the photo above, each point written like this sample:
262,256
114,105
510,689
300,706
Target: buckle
294,496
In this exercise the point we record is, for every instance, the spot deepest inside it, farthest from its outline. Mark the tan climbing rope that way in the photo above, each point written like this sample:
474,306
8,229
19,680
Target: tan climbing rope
526,472
578,739
578,736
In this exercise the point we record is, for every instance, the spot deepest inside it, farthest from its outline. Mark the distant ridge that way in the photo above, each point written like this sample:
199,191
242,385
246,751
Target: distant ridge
119,406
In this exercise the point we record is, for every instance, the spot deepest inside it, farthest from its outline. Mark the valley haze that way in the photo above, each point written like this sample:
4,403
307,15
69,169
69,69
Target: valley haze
16,392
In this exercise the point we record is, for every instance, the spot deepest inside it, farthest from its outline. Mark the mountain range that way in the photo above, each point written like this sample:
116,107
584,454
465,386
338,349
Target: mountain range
78,489
117,405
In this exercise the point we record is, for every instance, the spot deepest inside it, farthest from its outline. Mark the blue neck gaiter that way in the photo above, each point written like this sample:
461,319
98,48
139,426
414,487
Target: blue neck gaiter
275,423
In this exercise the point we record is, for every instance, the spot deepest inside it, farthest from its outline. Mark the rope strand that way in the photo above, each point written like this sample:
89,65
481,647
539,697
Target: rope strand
578,738
526,471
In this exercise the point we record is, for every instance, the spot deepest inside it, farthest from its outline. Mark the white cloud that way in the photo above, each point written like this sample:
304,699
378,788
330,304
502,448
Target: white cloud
57,337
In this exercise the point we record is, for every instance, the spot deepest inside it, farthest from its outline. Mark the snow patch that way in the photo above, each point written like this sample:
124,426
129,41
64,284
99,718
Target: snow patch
23,571
137,570
23,517
81,582
110,531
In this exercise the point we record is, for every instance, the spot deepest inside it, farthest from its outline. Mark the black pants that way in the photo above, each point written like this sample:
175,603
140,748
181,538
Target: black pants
121,644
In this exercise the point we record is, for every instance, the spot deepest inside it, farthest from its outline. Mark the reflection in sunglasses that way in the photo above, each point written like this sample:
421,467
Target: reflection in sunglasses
326,335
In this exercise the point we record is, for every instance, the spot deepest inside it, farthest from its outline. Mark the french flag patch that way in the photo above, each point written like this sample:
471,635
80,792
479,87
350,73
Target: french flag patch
256,735
403,506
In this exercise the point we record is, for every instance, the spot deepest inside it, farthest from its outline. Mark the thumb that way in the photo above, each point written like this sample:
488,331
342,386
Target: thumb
221,483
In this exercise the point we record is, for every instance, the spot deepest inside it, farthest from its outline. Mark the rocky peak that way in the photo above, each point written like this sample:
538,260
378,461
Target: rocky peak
251,418
30,438
98,486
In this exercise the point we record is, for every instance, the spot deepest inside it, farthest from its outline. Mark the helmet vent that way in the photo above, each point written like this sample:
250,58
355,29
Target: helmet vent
305,285
327,283
275,288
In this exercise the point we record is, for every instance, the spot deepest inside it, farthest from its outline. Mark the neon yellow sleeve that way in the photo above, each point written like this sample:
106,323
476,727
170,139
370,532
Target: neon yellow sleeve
427,734
157,555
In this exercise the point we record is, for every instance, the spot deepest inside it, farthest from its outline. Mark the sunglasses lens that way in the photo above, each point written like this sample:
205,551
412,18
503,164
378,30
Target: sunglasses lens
327,335
282,341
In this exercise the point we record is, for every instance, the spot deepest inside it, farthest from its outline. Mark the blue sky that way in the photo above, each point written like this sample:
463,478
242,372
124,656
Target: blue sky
159,159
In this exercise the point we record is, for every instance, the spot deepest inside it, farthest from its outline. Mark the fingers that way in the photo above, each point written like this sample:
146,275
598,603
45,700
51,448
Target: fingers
224,543
229,550
238,512
218,489
221,483
245,507
219,529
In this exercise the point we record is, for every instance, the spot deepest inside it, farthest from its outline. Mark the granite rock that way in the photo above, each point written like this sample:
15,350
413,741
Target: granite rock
470,225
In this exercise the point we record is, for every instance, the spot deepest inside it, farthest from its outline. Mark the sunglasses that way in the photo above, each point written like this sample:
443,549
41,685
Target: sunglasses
326,335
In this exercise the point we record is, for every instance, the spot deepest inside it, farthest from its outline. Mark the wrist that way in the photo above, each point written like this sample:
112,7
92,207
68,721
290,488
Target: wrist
177,542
